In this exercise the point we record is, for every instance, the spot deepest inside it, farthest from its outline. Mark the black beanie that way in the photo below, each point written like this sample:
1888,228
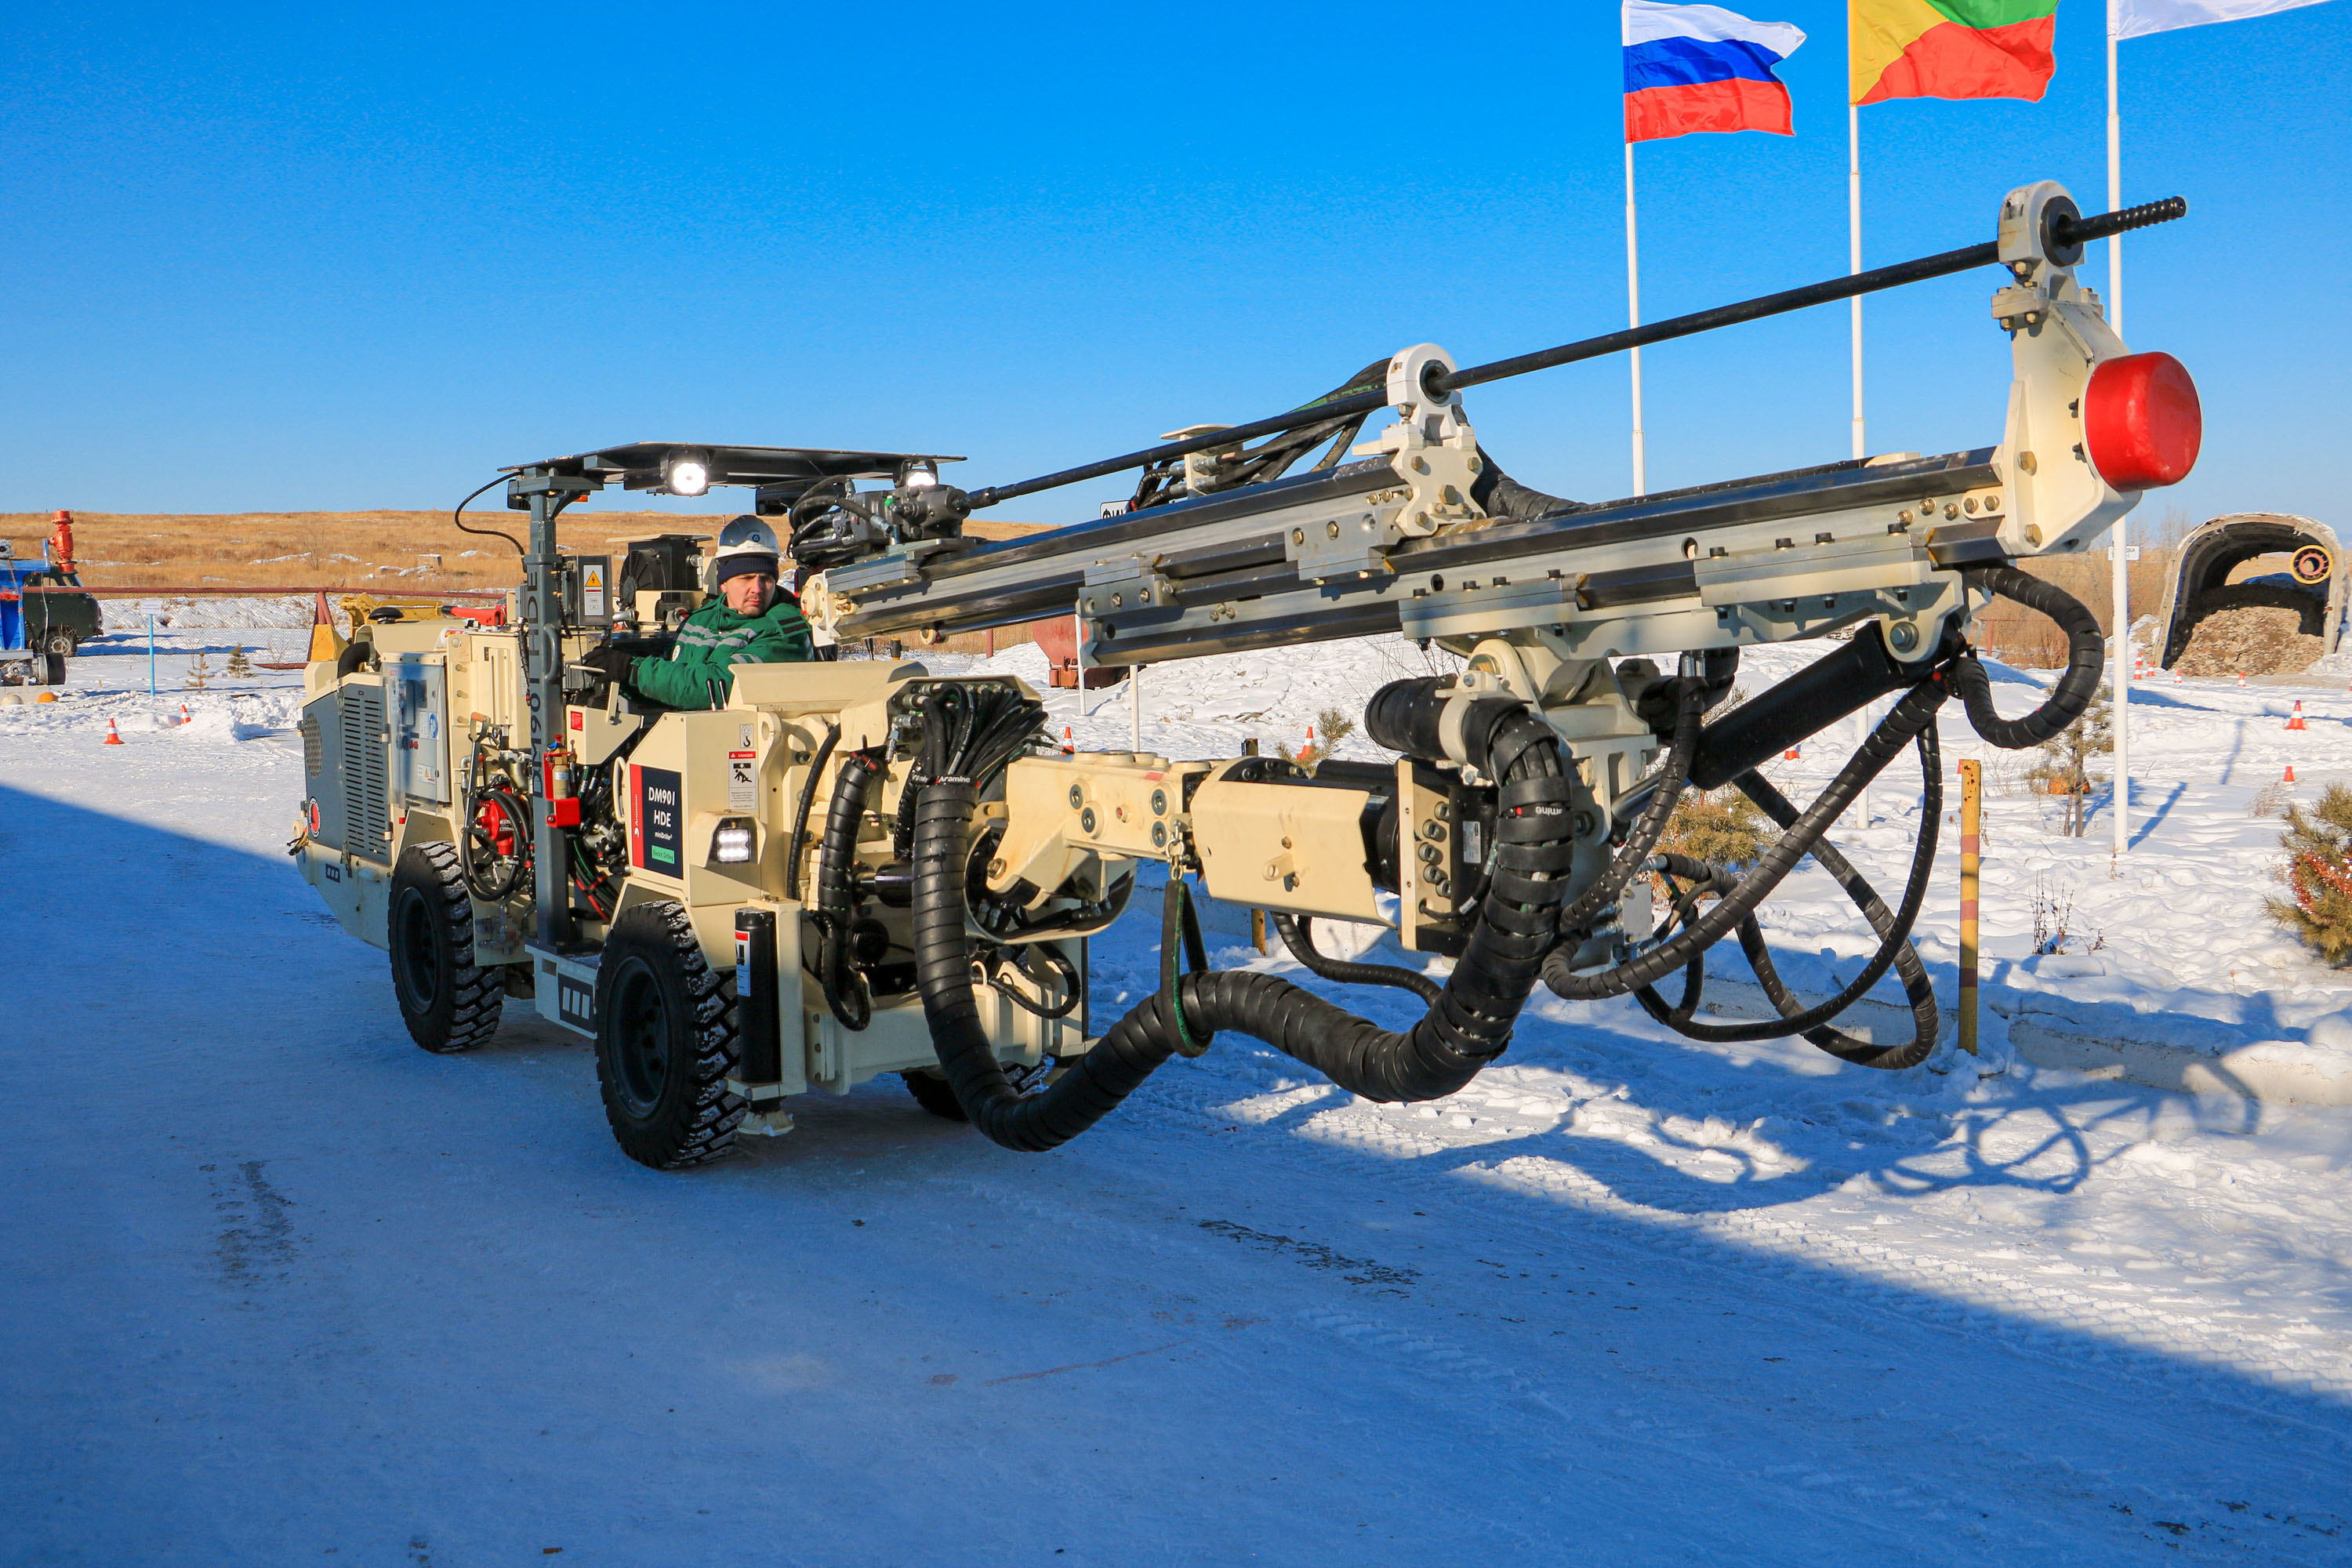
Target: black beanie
737,566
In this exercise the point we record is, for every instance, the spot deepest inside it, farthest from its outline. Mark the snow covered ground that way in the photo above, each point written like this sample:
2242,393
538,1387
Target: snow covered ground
282,1288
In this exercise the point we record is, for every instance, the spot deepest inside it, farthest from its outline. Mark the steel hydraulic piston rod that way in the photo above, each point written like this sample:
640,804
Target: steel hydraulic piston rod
2065,234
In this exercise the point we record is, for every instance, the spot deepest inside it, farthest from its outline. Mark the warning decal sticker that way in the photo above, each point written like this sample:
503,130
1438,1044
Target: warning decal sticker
742,780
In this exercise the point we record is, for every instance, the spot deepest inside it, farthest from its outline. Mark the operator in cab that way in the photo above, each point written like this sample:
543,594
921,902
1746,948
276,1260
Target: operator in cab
748,623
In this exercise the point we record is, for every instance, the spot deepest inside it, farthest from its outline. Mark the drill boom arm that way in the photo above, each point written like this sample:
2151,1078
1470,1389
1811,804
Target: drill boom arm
1395,544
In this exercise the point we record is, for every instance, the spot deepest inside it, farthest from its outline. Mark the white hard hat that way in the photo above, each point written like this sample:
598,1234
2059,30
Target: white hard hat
748,535
746,545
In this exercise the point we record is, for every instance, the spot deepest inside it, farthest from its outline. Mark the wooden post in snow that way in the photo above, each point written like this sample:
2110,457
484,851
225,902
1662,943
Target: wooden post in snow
1971,798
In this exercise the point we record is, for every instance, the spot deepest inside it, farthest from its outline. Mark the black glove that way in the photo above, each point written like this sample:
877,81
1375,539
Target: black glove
604,662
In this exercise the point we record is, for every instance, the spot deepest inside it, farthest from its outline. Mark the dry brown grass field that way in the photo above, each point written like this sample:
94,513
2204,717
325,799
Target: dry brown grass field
421,553
387,553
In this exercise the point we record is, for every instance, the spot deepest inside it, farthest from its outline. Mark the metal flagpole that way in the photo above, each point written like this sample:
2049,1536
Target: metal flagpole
2120,537
1853,247
1634,319
1853,261
2115,182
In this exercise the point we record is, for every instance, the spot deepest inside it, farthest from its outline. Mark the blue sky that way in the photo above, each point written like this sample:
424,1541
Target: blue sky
302,258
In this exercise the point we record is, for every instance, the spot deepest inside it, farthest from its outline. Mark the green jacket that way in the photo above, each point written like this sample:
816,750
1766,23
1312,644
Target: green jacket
714,640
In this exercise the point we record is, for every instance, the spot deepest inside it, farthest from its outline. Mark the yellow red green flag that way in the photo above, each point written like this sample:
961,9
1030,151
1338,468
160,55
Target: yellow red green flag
1949,49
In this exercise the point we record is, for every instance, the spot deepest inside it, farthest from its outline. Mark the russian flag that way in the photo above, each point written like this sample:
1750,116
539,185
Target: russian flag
1702,68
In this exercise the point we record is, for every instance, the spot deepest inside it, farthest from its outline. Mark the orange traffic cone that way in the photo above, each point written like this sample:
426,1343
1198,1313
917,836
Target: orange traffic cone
1068,746
2241,678
2294,720
1793,754
113,737
2290,774
183,712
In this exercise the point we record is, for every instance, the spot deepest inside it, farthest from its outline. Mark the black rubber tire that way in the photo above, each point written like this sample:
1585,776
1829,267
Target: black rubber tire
448,1003
931,1092
61,644
53,669
666,1041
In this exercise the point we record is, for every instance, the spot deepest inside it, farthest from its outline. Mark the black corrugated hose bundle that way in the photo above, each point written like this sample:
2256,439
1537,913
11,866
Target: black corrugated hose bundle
836,866
2086,656
1468,1027
1912,720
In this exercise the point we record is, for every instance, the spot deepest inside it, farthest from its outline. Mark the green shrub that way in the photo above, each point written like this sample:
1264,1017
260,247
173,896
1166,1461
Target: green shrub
1720,826
2065,766
2316,867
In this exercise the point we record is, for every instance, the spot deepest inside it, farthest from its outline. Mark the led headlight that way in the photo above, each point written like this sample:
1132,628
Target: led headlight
686,472
917,473
731,844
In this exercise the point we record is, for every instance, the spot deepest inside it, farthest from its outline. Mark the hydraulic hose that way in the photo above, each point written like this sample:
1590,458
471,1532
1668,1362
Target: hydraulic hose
1095,1084
1506,499
1895,948
836,866
801,811
1066,975
1299,936
1914,712
1893,930
485,884
1651,826
2086,656
1468,1027
1856,672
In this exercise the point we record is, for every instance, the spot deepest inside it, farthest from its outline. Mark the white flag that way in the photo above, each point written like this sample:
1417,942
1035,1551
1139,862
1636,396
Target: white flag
2137,18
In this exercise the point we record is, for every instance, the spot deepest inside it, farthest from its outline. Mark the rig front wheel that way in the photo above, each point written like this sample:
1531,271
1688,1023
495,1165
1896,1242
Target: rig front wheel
666,1041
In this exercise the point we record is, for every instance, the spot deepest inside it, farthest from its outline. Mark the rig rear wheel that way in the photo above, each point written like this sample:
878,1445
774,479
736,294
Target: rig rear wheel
666,1041
448,1003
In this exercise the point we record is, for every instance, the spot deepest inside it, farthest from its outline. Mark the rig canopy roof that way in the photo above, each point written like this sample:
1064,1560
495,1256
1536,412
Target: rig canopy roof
646,465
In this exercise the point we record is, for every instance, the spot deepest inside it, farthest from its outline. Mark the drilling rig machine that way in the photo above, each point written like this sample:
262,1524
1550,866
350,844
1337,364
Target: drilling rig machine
857,868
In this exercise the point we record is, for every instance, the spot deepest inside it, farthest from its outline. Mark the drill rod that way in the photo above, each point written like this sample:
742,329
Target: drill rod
2065,232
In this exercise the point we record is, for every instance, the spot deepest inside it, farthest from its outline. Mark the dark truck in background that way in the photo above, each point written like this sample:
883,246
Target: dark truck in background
40,631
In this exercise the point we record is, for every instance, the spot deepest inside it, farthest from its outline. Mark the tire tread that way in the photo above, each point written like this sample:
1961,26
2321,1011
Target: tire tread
478,992
705,1130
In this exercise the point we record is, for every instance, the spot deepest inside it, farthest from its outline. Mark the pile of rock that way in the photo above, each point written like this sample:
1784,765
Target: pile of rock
2250,641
